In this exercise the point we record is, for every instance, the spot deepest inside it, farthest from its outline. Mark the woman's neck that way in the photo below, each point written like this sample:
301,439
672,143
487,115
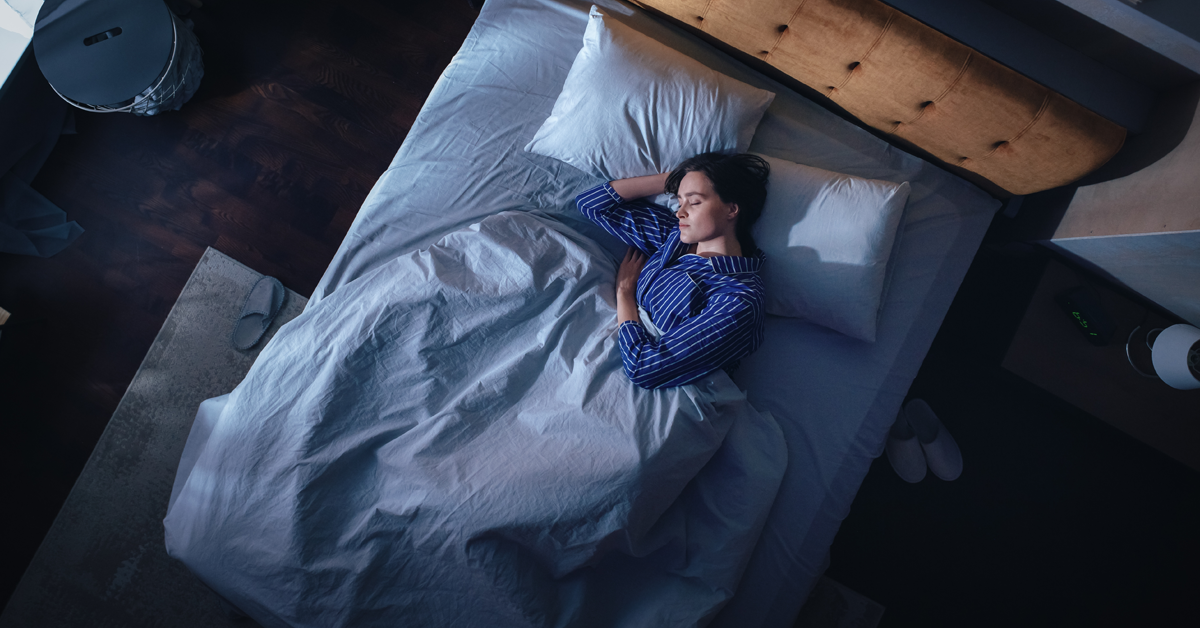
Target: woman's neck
720,245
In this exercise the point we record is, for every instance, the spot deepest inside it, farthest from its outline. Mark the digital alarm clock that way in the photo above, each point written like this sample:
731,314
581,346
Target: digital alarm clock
1083,307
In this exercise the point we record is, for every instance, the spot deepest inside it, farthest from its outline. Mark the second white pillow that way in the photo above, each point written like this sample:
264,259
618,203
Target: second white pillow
828,238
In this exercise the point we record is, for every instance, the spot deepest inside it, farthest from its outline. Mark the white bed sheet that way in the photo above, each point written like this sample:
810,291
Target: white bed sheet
372,470
833,396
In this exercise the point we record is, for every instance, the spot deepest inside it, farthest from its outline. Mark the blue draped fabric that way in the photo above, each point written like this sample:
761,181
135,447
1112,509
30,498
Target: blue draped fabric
32,117
29,223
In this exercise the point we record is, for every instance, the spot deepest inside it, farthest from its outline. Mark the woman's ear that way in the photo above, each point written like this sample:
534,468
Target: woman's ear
733,211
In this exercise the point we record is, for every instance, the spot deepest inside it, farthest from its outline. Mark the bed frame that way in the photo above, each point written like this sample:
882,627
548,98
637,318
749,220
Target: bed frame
462,162
916,86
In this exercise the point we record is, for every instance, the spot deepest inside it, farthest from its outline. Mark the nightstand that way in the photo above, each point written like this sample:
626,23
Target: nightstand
1048,350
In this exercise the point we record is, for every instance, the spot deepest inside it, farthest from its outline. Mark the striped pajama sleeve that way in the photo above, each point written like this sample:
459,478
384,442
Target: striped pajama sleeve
638,223
723,333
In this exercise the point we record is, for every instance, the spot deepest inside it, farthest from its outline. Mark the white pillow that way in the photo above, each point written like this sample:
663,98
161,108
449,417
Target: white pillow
632,106
828,238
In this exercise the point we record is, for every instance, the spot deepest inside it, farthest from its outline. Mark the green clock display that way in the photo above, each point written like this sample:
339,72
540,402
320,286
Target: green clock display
1086,312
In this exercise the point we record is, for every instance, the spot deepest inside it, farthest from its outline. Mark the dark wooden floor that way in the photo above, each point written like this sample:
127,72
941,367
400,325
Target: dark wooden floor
1057,520
302,107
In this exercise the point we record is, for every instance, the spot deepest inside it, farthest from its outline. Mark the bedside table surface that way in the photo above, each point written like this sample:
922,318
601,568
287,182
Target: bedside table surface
1050,352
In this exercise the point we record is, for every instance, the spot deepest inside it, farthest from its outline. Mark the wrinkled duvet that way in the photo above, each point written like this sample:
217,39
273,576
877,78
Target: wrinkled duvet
449,440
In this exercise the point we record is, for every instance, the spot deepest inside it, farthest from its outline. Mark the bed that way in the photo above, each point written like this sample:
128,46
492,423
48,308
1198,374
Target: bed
549,491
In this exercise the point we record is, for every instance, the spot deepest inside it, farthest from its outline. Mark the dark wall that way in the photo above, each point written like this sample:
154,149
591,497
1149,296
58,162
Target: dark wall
1181,15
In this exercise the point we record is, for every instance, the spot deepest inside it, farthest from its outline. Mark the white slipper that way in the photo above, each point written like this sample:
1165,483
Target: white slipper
263,302
904,451
941,451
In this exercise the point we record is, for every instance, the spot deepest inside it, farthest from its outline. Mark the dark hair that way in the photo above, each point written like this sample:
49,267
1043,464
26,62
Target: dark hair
739,179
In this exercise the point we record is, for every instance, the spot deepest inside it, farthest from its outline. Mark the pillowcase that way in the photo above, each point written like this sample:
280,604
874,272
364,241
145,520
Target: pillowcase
828,238
632,106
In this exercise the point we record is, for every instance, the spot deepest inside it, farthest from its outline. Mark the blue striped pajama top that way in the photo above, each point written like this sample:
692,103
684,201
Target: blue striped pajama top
709,309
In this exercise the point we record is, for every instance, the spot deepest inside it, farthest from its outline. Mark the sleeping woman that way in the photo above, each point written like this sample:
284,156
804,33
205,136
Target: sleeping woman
689,296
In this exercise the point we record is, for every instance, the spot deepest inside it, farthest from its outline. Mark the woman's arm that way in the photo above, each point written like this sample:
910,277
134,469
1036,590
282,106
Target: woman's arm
637,222
627,277
726,331
640,187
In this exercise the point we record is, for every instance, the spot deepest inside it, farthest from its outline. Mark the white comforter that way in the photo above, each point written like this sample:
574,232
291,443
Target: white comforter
450,440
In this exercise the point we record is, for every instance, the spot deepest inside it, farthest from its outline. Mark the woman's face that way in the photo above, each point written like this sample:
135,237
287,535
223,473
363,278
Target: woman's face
702,215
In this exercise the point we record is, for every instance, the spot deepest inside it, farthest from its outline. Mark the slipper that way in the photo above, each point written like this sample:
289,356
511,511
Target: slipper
263,302
941,450
904,451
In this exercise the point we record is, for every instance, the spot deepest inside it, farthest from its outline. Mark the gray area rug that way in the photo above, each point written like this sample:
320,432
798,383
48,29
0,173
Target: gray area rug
103,562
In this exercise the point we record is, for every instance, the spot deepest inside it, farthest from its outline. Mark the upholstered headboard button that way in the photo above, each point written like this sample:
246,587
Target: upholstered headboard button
1018,134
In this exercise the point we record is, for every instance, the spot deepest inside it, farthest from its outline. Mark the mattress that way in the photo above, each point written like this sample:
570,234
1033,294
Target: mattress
834,397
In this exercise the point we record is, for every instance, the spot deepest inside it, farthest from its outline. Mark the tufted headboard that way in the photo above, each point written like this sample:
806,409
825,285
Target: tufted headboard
911,82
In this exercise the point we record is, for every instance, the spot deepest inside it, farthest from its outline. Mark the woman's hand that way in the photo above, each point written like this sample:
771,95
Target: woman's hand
627,274
627,277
